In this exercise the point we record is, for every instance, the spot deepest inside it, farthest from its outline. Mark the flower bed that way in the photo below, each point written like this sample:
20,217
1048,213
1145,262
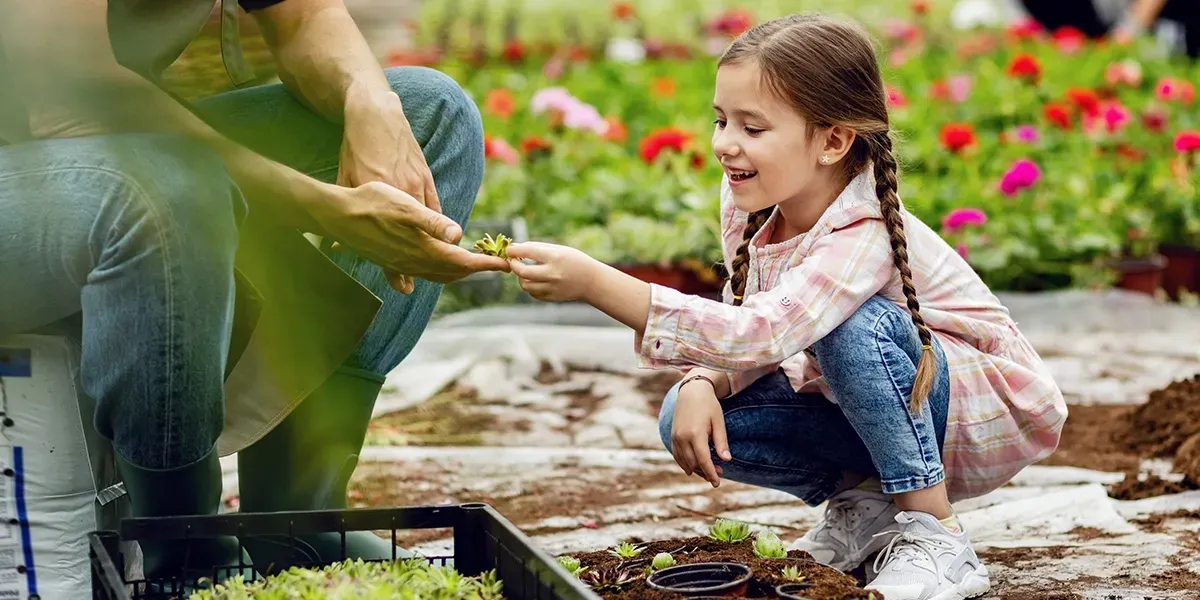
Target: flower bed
1047,159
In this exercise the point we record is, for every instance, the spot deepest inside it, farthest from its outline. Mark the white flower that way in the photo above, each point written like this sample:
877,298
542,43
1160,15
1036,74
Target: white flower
625,50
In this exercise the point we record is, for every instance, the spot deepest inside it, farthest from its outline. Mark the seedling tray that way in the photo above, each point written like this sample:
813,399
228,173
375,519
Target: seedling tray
483,540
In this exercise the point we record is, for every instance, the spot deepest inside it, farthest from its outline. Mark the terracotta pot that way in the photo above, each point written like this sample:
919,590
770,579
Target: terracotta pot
1182,270
1144,275
722,579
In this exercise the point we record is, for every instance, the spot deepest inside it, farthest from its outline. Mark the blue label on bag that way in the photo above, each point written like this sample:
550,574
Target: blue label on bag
16,362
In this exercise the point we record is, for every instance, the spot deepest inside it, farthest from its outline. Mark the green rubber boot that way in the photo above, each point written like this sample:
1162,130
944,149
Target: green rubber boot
194,489
305,463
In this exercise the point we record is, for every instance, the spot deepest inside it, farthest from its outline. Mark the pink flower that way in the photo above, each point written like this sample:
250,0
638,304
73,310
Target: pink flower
961,217
1027,134
961,249
551,98
1187,142
900,31
1127,72
1116,116
960,88
500,150
580,115
1022,174
896,97
1175,90
897,57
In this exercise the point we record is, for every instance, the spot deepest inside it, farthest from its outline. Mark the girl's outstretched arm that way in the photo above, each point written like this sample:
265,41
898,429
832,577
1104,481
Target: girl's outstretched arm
564,274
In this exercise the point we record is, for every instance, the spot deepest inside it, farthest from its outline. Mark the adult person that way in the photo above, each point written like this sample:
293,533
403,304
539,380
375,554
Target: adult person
1123,19
173,231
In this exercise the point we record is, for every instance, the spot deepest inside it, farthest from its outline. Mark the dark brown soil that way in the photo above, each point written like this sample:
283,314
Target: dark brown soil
1090,533
1136,487
1118,438
1155,523
1015,557
828,584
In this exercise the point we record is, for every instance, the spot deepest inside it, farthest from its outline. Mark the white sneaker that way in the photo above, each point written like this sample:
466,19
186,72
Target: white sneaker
849,531
925,561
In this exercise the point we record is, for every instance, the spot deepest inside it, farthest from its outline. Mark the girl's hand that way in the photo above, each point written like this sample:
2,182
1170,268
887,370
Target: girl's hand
562,274
699,417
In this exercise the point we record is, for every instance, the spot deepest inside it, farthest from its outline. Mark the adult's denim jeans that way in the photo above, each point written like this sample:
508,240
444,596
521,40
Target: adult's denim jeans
136,234
803,444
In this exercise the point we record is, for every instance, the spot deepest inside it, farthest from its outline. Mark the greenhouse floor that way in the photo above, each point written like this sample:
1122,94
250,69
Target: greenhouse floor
542,412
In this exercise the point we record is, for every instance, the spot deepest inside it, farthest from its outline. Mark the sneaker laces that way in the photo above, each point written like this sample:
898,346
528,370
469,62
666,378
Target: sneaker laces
906,544
842,515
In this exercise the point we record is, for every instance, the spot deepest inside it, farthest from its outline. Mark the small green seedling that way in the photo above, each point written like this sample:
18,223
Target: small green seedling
626,550
610,578
571,564
662,560
728,530
496,247
791,574
768,545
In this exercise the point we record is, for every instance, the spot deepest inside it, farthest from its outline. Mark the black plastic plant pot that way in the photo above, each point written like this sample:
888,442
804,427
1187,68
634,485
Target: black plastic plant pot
793,591
719,579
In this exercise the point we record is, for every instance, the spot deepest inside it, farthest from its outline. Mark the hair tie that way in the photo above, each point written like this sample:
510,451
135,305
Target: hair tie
737,297
927,347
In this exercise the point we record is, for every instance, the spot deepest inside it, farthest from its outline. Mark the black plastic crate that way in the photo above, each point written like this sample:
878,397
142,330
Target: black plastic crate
483,540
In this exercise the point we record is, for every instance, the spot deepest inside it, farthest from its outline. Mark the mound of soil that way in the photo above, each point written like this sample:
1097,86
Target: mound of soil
1118,438
828,584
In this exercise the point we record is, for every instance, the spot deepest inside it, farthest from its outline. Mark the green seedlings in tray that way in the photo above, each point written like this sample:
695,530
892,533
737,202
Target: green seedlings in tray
662,560
496,247
729,531
571,564
610,579
626,551
791,575
359,580
768,545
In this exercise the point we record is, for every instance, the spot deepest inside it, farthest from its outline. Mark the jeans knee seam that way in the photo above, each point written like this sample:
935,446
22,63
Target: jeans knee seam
921,443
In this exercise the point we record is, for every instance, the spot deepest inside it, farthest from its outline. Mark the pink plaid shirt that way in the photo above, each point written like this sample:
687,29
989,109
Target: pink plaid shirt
1006,411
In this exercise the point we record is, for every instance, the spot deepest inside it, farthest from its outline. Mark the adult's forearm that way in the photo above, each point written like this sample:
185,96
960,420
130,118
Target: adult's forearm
120,101
324,59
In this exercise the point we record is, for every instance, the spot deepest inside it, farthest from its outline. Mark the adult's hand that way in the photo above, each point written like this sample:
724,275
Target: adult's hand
400,234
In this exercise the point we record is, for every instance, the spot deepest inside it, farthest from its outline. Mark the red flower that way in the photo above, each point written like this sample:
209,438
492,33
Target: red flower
1058,113
1025,29
733,22
920,7
1069,39
668,138
514,51
1025,66
579,54
957,136
939,90
1085,100
533,145
616,131
622,11
663,87
896,97
500,102
1129,152
1187,142
1154,119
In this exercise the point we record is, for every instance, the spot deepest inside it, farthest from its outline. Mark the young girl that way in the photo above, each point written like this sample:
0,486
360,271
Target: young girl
857,359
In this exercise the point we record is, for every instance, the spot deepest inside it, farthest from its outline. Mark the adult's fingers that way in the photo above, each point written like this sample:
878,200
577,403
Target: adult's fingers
719,439
704,460
414,213
431,195
400,282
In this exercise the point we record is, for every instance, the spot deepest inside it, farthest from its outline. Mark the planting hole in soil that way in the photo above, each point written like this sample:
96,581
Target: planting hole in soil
721,579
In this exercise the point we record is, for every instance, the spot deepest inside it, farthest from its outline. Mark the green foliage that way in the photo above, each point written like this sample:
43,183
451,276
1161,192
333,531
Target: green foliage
768,545
791,574
625,550
410,579
728,530
662,560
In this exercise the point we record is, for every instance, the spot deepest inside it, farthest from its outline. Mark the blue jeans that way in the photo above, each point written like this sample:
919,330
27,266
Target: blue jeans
133,236
803,444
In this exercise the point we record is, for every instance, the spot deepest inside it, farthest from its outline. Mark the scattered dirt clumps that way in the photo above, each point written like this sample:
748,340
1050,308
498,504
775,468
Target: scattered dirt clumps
828,584
1119,438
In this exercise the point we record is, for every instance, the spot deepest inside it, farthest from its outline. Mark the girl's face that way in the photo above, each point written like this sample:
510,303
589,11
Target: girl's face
761,142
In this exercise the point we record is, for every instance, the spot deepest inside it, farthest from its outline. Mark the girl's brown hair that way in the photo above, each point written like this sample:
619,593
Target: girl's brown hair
828,71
